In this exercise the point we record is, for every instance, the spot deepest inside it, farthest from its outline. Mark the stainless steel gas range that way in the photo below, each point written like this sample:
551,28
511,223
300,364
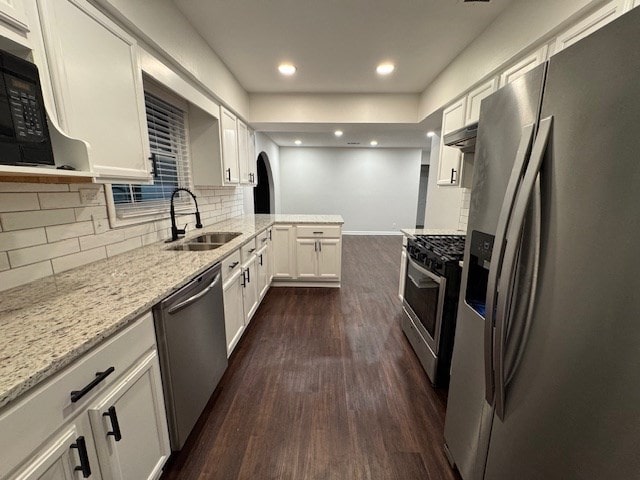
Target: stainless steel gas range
431,290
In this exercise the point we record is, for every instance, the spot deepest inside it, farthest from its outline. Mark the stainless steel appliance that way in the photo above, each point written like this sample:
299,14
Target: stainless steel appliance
546,359
430,300
24,133
192,348
463,138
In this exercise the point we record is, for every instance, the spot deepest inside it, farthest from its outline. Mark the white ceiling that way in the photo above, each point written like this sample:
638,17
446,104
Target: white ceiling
336,45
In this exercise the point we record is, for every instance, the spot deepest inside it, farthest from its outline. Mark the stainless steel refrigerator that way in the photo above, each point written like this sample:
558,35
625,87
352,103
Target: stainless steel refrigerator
546,366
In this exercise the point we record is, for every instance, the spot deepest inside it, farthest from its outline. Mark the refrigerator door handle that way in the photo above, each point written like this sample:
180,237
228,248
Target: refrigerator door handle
505,286
524,149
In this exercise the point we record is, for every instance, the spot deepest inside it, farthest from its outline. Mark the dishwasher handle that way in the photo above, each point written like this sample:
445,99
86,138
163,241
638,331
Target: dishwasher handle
195,297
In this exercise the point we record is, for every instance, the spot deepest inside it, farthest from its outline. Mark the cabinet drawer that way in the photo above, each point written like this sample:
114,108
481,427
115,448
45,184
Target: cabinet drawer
317,231
230,265
263,238
248,249
29,422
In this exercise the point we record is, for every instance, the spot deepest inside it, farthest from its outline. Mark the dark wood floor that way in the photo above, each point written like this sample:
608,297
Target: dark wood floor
324,385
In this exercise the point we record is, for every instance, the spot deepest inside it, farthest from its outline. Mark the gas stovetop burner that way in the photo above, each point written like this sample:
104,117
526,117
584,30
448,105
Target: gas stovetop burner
435,252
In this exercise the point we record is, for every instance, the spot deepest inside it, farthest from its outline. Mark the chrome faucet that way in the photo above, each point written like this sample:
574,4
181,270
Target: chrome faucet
175,231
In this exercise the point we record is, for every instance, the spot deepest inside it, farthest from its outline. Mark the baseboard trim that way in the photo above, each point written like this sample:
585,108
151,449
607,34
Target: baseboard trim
293,283
379,232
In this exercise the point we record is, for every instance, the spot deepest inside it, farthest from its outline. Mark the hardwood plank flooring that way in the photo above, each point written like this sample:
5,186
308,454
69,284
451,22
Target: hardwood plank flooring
324,385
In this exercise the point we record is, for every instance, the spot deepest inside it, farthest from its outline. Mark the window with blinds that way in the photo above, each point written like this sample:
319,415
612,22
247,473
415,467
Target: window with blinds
168,138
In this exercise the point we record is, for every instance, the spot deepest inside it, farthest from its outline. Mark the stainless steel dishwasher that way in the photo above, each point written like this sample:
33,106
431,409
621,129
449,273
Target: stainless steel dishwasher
192,348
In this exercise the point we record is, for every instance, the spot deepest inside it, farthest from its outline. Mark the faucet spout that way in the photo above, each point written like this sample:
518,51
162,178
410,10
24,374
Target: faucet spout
175,231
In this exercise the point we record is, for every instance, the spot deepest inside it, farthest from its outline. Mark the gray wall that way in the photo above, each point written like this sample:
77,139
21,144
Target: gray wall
375,190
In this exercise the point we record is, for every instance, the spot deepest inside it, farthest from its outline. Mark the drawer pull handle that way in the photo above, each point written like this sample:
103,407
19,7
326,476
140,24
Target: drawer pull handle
100,376
252,250
318,233
260,259
115,425
84,467
264,239
234,265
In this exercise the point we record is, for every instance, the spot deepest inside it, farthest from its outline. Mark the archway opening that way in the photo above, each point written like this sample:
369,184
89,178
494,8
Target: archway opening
263,192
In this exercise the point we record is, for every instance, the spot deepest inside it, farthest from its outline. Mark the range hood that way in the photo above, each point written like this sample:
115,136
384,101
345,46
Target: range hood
464,138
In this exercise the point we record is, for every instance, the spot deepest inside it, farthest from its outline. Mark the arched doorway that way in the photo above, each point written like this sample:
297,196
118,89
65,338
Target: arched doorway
263,192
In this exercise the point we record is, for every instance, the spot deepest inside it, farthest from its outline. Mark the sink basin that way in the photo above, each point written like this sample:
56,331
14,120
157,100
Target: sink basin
215,237
196,247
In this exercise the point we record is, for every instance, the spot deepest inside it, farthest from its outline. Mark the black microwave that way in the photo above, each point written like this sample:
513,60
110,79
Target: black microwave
24,134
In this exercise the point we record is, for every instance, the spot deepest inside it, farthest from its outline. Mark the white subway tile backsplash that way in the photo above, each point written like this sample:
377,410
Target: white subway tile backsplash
20,276
33,187
87,213
93,241
22,238
78,229
61,232
67,262
18,202
26,256
36,218
4,261
121,247
59,200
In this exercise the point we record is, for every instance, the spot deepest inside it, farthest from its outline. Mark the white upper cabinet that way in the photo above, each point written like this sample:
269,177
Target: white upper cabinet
590,24
253,161
243,152
453,118
97,85
229,127
12,13
475,97
523,66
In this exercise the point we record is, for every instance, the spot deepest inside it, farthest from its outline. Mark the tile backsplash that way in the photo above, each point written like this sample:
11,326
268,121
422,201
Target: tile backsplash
464,209
50,228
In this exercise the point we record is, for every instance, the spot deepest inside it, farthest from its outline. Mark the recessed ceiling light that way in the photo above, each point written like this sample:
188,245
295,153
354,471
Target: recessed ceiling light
287,69
385,68
373,143
338,133
298,142
430,134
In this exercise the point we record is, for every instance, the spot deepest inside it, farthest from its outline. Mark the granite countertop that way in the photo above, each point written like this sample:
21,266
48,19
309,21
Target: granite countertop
47,324
412,232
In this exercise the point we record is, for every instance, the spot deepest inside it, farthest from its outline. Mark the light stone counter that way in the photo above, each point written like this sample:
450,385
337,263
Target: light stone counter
47,324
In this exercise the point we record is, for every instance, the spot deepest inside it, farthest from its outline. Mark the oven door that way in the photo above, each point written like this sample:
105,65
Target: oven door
424,300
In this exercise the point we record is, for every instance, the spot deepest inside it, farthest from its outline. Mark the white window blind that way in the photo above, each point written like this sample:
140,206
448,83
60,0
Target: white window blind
168,138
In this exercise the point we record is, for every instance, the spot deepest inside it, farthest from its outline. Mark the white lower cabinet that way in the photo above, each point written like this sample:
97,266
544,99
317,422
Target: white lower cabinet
307,258
250,288
129,425
103,417
329,258
283,251
234,309
262,259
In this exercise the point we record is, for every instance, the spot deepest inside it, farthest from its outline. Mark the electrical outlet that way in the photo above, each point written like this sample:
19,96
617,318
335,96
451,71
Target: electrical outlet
89,196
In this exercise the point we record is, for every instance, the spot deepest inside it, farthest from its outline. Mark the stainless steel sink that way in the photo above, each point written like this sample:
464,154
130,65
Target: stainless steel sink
196,247
215,237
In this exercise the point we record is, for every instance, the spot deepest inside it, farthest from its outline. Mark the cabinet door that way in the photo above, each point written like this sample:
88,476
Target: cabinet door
12,12
229,147
234,310
250,291
587,26
307,257
453,118
243,152
475,97
263,271
283,251
129,424
329,258
97,83
59,458
253,160
523,66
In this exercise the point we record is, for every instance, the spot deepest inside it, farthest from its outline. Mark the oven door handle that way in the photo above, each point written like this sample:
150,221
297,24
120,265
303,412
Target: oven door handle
424,271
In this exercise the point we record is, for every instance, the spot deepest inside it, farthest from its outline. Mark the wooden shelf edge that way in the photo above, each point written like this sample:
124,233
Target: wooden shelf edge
9,173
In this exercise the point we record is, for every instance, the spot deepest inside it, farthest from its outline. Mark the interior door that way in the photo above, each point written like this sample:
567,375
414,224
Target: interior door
572,405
